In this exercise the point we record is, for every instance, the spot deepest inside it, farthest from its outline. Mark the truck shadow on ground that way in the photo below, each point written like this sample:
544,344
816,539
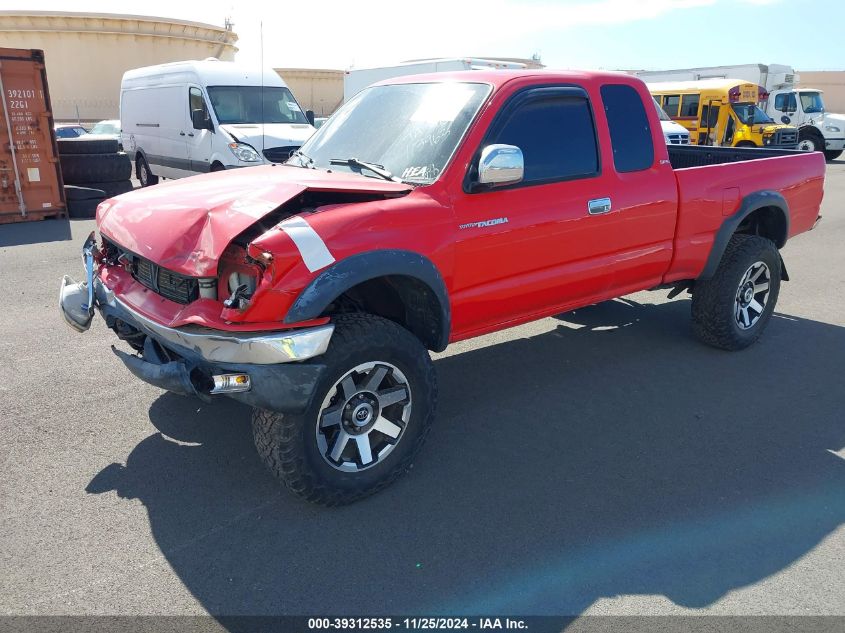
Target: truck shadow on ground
612,455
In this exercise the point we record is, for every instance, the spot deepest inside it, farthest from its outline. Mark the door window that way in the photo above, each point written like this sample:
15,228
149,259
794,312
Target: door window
729,131
197,102
556,135
785,102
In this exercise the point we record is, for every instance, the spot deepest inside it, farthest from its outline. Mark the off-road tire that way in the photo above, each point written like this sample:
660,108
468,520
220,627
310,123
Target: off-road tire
83,209
287,442
75,193
714,300
82,169
141,168
832,154
115,188
90,144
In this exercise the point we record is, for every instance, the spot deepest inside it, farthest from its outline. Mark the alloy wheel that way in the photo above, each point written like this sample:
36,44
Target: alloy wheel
752,295
363,417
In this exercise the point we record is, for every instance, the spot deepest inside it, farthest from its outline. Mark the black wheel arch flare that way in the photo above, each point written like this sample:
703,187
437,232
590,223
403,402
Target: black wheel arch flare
750,203
361,267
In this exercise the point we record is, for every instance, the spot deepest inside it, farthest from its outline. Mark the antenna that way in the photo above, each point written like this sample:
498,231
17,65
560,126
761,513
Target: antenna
263,122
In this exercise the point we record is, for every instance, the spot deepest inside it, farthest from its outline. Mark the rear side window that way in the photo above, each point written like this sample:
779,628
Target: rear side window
557,138
630,133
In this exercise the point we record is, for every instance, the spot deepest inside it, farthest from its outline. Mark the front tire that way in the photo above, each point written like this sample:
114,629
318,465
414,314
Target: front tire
731,310
809,140
832,154
368,419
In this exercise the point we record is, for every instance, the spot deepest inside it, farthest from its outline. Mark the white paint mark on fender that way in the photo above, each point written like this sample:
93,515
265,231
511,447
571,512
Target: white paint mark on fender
311,246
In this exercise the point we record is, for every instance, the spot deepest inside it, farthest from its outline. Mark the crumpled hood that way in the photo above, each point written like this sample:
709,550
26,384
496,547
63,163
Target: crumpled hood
185,225
275,134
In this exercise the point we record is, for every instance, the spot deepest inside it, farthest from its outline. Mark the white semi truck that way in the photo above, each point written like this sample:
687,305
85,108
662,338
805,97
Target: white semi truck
802,107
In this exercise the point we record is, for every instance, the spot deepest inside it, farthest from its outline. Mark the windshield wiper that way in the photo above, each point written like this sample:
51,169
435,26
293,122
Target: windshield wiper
304,160
379,170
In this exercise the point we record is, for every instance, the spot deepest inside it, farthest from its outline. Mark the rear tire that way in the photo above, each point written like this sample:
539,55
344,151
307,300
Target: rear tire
143,173
369,416
731,310
832,154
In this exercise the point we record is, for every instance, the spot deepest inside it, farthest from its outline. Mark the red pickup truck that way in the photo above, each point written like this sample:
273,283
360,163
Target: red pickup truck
427,210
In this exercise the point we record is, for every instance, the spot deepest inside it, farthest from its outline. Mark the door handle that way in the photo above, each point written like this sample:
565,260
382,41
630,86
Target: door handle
598,206
190,133
181,134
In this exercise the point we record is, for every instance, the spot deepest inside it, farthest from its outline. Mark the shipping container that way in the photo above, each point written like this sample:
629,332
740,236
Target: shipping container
31,185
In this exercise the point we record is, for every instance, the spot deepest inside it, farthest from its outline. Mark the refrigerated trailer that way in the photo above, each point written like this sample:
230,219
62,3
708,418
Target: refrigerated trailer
31,185
354,81
802,107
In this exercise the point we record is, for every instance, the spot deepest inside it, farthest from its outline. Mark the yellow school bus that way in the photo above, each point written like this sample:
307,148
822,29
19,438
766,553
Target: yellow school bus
722,112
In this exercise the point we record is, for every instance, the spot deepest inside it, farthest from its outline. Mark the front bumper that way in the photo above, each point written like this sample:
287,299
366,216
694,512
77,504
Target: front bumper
185,360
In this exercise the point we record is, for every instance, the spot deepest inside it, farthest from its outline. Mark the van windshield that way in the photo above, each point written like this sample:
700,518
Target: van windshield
750,114
254,104
411,130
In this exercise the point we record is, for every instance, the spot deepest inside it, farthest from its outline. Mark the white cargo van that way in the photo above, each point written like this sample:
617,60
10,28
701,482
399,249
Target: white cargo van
193,117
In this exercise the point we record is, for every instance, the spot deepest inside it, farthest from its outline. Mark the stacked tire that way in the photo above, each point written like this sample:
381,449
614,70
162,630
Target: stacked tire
93,169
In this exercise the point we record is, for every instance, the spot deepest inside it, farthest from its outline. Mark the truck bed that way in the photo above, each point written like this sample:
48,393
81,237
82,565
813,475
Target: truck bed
713,181
683,156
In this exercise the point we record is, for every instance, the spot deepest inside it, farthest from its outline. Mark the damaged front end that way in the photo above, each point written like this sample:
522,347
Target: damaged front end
266,369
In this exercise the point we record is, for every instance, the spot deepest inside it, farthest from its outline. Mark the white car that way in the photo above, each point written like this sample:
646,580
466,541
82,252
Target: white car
193,117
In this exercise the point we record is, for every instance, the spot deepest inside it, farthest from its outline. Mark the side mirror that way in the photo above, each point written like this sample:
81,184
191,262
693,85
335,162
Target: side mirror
500,165
201,121
309,114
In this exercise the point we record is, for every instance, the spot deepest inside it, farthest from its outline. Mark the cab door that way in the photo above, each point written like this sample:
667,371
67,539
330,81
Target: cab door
577,228
785,107
198,139
708,122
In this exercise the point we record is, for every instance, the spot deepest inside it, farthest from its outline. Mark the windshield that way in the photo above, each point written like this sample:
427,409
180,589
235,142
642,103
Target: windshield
105,127
244,104
750,114
411,130
661,113
812,102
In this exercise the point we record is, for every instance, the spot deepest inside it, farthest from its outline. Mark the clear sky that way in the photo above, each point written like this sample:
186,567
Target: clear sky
610,34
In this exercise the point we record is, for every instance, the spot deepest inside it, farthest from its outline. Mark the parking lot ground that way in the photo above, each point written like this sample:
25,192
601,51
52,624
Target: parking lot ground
601,462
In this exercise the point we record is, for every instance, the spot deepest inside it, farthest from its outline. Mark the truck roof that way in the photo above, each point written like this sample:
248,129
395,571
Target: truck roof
498,78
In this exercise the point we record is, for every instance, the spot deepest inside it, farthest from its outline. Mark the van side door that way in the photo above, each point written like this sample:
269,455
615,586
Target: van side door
199,135
172,158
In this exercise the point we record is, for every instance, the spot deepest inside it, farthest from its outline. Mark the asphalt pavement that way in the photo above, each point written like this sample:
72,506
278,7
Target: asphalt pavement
600,462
